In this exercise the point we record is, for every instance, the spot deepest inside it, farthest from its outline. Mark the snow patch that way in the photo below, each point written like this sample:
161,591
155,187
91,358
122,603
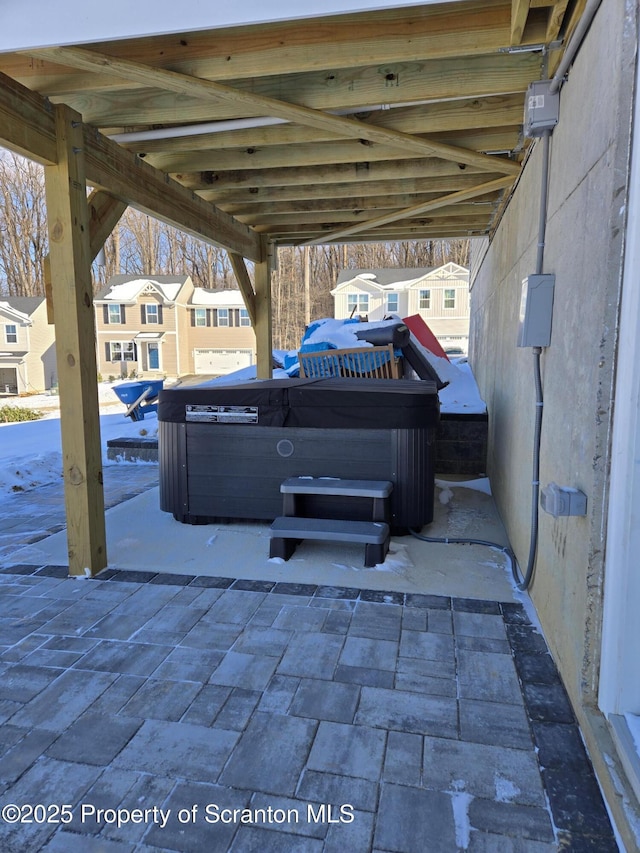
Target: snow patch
506,791
460,803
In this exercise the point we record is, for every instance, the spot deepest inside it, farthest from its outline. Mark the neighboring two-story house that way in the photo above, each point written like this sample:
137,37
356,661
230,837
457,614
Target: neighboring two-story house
27,346
221,336
439,294
164,326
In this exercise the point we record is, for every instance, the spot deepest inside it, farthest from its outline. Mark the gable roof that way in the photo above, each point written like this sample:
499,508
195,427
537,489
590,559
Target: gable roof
126,288
394,278
21,307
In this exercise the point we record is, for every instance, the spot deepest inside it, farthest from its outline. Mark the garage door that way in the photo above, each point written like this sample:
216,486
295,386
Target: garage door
221,361
8,380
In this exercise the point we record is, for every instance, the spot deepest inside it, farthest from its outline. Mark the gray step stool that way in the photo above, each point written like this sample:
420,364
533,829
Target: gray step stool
378,490
286,532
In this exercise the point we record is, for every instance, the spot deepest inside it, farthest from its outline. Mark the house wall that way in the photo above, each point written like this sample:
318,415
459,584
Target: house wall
35,371
584,248
450,325
41,359
133,325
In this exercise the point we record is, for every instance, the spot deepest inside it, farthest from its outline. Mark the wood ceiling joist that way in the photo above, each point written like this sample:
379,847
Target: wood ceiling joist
519,15
326,208
360,171
210,91
322,193
417,210
28,127
150,104
442,117
392,36
300,236
343,151
348,217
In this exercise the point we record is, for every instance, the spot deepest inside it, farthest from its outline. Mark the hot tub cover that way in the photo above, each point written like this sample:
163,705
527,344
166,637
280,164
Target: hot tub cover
324,403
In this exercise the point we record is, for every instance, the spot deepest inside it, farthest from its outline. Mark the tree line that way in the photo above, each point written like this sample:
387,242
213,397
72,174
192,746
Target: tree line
141,245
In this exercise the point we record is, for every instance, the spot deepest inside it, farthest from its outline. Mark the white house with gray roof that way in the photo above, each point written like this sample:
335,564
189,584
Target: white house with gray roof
440,295
27,346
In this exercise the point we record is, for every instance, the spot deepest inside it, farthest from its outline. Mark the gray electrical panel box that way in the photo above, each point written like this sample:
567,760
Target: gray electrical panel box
563,500
536,309
541,108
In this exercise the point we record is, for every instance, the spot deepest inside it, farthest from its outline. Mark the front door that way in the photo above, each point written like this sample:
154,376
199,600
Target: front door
154,357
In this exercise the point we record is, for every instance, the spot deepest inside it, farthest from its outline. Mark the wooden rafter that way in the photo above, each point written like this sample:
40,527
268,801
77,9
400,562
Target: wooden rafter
263,105
481,189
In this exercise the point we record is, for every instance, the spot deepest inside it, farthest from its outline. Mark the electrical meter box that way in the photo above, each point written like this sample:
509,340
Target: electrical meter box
541,108
536,309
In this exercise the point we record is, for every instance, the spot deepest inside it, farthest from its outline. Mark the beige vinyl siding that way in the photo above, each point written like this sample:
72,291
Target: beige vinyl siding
42,373
377,302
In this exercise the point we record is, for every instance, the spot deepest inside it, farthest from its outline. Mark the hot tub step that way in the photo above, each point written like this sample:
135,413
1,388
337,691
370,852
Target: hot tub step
378,490
287,532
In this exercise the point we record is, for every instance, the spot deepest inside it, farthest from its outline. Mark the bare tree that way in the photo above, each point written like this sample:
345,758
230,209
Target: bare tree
23,226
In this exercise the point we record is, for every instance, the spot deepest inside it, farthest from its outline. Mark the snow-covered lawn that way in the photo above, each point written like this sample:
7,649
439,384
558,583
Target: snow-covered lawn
30,453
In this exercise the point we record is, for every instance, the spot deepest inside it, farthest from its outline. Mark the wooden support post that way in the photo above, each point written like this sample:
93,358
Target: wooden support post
70,257
264,342
104,214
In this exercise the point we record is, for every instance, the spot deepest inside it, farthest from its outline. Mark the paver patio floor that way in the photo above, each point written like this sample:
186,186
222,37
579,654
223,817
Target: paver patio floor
146,711
199,713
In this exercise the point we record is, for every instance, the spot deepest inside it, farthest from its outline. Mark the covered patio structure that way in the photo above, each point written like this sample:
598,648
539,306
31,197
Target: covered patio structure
373,121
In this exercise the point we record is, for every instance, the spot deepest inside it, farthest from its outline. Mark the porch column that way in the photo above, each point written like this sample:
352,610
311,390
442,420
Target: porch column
264,341
70,255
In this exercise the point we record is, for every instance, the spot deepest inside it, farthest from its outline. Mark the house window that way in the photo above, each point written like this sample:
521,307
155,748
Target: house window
245,320
392,303
358,302
114,314
122,351
151,312
223,316
200,317
425,299
449,298
11,333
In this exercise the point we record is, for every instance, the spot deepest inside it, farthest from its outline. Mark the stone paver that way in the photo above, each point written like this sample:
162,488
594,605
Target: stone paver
186,714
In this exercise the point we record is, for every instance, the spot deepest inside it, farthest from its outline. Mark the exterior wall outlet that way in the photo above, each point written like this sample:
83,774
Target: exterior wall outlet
563,500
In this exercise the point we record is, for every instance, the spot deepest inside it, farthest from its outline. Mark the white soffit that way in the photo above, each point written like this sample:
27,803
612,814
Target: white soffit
27,24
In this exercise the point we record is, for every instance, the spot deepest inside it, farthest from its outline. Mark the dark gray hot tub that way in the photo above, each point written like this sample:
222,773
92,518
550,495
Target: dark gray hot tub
224,450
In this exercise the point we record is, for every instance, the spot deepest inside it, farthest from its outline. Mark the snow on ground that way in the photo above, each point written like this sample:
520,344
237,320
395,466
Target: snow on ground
30,452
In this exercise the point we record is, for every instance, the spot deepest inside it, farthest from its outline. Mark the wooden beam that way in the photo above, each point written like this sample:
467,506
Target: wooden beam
441,117
264,105
519,14
68,223
393,35
358,172
104,213
28,127
481,189
263,325
266,222
442,80
326,192
244,283
329,153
